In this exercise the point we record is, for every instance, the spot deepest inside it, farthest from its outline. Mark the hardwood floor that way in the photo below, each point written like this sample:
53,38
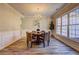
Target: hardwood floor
55,48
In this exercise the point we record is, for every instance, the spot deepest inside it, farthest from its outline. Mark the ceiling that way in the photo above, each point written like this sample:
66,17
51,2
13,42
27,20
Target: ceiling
30,9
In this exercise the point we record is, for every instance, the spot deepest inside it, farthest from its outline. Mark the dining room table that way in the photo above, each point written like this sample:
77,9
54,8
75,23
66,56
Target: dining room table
38,37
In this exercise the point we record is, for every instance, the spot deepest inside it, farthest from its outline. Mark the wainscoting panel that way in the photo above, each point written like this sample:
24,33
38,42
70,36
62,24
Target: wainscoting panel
8,37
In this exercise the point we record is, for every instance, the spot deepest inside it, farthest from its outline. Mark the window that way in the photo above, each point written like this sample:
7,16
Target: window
68,25
64,25
74,24
58,25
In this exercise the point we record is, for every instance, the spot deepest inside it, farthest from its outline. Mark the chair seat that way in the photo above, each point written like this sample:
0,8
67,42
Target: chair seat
33,40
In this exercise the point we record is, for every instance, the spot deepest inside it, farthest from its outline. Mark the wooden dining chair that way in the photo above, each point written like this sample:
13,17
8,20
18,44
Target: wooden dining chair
42,38
34,39
29,38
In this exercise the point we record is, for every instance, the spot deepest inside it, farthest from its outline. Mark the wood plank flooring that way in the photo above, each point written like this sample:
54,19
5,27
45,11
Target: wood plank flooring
55,48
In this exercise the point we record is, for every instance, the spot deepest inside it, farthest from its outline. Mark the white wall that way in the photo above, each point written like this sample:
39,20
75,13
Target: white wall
9,25
28,24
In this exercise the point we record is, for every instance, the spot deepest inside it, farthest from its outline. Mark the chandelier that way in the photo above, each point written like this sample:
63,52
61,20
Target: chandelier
37,17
